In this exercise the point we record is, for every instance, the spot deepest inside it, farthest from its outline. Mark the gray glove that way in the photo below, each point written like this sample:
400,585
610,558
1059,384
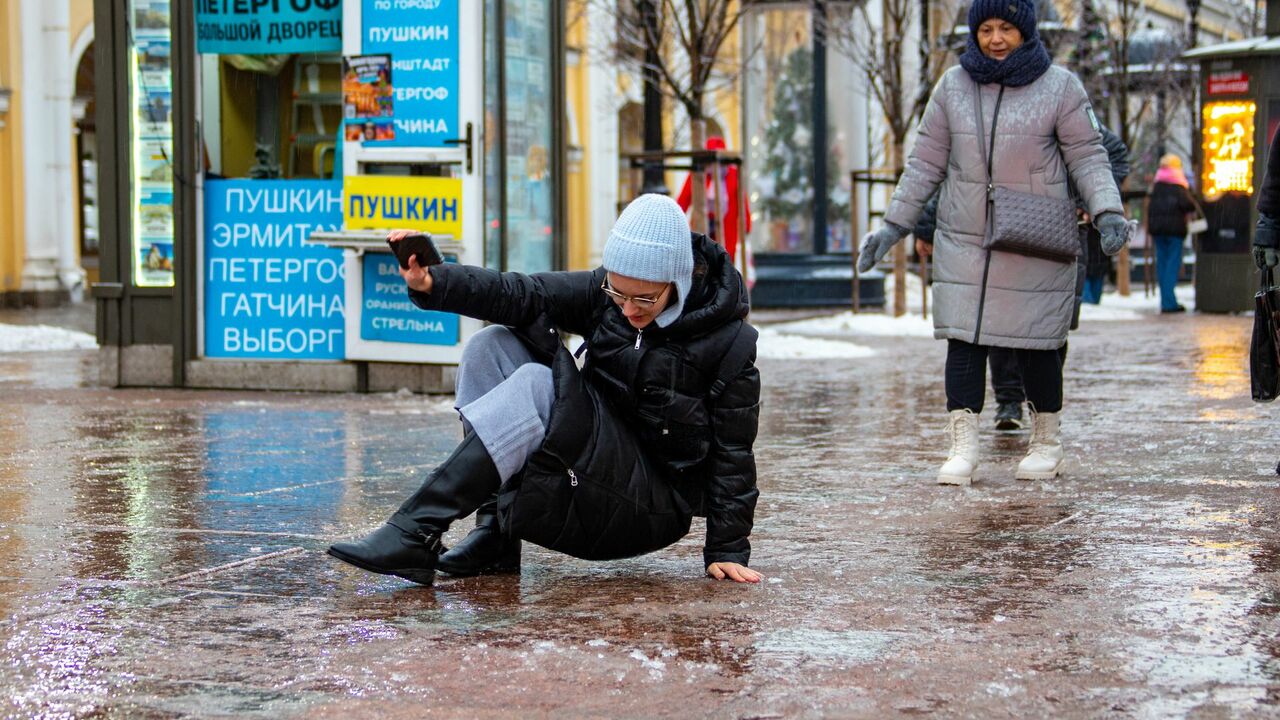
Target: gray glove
1114,231
876,245
1266,235
1265,257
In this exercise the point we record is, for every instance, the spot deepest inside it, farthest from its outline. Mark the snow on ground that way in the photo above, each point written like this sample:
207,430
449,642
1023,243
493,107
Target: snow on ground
1115,308
879,324
1107,312
776,345
42,338
873,323
1112,309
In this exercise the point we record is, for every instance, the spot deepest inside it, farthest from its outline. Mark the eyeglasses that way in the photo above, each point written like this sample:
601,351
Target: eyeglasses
644,303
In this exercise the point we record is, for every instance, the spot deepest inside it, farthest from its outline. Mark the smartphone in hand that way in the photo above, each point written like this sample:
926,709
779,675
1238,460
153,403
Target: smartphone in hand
418,244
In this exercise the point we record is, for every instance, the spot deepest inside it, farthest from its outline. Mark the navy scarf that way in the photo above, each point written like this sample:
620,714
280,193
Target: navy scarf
1022,67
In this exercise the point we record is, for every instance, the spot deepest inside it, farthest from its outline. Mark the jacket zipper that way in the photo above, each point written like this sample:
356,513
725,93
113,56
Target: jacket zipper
982,299
639,334
991,185
573,481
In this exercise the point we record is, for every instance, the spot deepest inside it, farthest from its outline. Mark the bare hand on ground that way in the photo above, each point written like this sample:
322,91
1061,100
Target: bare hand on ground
416,276
733,571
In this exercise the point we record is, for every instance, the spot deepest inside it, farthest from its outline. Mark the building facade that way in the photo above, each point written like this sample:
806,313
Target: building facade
48,240
558,179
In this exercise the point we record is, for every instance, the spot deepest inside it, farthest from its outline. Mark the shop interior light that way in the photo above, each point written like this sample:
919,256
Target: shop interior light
1228,148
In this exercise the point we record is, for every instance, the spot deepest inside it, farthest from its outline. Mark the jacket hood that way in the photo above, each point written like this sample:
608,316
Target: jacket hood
717,294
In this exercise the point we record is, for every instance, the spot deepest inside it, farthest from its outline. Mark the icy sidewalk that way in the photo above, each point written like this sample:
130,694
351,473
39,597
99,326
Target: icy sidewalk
162,555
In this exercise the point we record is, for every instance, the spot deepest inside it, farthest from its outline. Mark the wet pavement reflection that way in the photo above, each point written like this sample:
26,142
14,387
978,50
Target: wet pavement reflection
161,555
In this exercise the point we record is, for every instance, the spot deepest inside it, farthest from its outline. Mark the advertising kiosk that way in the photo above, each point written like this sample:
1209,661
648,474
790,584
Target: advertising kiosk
256,154
1239,115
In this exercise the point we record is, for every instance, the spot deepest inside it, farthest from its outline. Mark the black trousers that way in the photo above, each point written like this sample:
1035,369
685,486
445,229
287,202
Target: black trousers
1039,373
1006,374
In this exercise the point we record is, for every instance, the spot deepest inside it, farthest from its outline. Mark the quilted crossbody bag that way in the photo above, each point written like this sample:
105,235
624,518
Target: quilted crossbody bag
1025,223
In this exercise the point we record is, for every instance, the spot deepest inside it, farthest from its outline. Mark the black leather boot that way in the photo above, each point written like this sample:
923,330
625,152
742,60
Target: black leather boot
485,550
408,545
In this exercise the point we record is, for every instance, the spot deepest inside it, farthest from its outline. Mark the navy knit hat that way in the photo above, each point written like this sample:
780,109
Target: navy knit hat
651,241
1019,13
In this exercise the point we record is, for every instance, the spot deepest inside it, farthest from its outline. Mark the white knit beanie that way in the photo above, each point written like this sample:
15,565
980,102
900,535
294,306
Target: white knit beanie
651,241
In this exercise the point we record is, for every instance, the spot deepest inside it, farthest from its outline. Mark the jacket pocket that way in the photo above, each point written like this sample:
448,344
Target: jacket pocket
680,429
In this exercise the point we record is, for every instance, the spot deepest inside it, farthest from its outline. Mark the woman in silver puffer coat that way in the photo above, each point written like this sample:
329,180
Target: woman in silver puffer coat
1039,127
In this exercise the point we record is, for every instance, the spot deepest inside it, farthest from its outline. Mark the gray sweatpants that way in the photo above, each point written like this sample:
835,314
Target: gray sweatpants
505,396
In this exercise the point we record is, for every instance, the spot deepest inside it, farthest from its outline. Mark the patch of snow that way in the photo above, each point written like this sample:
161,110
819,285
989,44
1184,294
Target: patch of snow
653,664
878,323
1115,308
43,338
915,293
774,345
848,323
1105,313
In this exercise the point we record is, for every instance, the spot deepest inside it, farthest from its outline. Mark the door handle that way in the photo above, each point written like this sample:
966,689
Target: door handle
465,140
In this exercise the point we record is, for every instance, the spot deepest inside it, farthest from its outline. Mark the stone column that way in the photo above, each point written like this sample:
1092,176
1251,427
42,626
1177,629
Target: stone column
50,272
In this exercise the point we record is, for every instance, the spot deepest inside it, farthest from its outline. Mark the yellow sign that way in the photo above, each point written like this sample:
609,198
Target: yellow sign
382,202
1228,148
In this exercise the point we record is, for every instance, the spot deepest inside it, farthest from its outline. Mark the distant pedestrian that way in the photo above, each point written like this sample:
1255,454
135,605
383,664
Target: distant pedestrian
611,461
1168,205
1041,131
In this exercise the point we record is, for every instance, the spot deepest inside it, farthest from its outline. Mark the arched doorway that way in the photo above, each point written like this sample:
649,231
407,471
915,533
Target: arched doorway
85,170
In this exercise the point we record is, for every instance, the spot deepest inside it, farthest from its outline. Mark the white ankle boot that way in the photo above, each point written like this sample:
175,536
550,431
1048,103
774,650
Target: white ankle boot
962,427
1044,456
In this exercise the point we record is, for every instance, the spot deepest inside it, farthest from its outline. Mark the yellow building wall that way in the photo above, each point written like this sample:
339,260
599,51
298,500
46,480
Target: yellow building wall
12,247
81,14
578,197
11,214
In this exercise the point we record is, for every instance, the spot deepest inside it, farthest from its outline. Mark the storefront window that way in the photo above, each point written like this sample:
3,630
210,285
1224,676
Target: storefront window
152,125
519,198
779,129
493,228
845,127
271,122
527,135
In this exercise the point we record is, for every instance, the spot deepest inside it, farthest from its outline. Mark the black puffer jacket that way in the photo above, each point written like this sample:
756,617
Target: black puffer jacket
656,379
1167,209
